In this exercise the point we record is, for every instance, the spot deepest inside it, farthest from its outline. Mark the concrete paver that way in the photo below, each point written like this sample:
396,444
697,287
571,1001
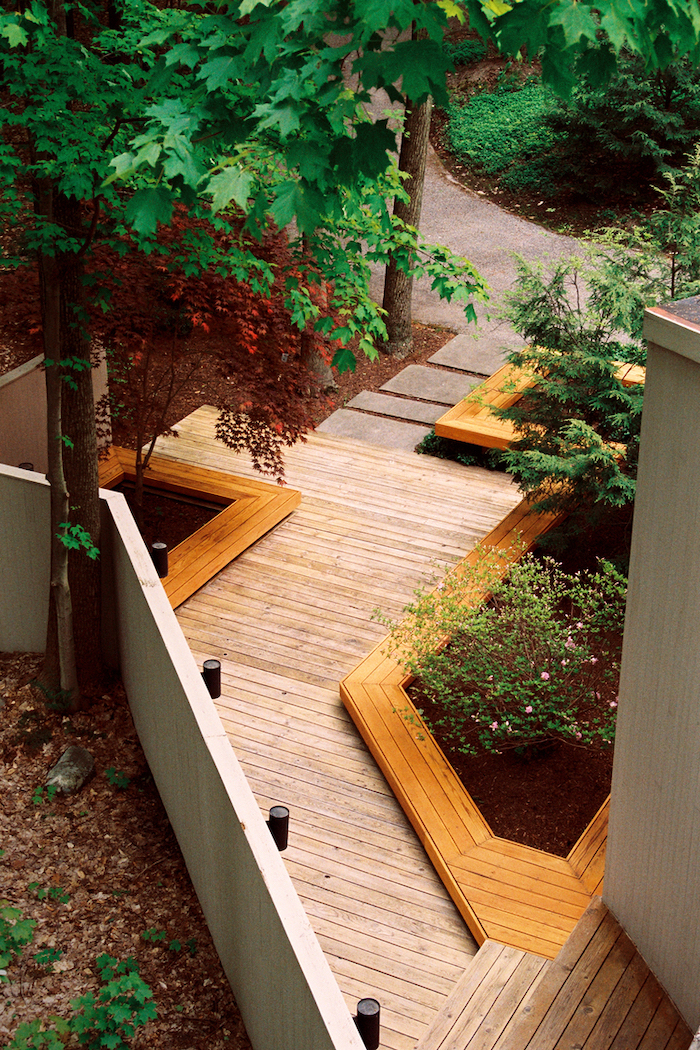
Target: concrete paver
432,384
483,356
374,430
397,407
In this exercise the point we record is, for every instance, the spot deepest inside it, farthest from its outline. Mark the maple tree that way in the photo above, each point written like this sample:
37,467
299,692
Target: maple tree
246,106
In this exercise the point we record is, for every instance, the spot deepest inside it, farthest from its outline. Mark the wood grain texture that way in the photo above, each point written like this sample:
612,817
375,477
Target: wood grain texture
289,619
472,421
250,508
524,898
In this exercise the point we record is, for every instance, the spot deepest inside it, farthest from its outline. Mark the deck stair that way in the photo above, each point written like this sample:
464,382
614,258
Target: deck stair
598,994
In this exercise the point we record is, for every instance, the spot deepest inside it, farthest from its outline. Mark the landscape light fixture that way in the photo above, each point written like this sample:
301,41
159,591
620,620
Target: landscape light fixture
279,826
367,1021
211,673
159,553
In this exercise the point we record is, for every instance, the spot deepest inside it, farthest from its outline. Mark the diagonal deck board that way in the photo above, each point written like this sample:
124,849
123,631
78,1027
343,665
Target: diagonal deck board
373,525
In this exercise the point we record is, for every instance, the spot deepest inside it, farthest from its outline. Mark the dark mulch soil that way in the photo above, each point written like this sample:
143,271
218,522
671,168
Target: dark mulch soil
109,855
545,800
167,519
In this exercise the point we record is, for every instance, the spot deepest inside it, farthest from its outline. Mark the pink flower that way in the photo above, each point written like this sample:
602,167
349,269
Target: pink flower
494,725
569,643
613,703
564,663
528,709
594,659
578,736
545,676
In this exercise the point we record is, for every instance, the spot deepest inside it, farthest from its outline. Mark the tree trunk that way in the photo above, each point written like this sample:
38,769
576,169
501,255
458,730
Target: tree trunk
58,674
72,470
398,286
80,460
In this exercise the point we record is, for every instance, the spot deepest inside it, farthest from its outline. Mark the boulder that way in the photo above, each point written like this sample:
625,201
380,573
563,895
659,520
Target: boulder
74,767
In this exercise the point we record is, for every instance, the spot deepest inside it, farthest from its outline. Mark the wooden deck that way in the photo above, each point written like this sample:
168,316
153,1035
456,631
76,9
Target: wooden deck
472,421
250,508
521,897
289,619
598,994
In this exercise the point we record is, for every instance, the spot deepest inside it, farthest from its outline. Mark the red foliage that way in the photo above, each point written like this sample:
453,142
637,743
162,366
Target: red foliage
167,323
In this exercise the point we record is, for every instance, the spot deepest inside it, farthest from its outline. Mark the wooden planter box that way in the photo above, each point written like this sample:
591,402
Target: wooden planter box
506,892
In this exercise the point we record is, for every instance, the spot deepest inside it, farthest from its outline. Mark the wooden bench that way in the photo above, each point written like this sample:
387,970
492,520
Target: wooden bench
471,420
250,508
518,896
598,994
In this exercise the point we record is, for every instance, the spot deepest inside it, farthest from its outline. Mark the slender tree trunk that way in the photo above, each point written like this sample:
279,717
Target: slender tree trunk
398,286
80,460
72,470
59,672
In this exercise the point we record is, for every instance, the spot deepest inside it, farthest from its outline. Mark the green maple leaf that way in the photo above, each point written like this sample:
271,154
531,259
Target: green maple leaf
231,184
295,201
576,20
148,207
344,360
15,35
220,71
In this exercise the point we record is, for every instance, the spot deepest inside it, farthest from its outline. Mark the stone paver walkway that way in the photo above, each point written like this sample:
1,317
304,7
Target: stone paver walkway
489,237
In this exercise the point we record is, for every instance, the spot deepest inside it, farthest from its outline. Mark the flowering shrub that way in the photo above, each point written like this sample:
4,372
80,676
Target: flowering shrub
538,662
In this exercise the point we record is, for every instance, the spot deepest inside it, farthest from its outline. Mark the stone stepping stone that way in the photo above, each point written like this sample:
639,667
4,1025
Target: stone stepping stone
483,355
397,407
374,430
432,384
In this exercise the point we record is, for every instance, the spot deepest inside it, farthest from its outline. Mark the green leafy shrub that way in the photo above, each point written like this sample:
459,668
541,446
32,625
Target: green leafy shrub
539,662
617,138
15,932
466,52
123,1004
459,452
578,425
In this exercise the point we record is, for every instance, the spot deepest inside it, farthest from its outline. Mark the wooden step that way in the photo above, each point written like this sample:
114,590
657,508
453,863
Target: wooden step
598,994
497,983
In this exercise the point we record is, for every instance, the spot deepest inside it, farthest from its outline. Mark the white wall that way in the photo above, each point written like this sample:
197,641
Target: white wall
24,560
23,412
286,992
652,875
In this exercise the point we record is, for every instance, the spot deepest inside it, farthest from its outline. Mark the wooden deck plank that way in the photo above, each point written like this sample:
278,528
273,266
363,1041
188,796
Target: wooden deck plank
251,509
363,536
462,995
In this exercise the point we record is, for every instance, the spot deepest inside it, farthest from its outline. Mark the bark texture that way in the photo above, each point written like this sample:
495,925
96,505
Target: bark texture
398,286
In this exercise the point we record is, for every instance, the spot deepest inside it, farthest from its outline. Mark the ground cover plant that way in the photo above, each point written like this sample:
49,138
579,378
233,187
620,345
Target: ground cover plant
577,161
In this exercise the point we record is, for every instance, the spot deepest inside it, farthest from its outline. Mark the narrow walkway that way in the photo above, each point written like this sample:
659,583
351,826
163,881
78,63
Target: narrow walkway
288,619
410,403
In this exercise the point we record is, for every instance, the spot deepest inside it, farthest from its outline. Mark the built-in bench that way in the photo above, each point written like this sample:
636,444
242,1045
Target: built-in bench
472,421
521,897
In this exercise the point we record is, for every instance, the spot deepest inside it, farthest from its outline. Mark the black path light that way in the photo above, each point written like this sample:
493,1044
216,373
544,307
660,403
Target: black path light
367,1021
279,826
211,673
159,553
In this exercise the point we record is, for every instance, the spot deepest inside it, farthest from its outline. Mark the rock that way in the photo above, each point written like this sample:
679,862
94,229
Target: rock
74,767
